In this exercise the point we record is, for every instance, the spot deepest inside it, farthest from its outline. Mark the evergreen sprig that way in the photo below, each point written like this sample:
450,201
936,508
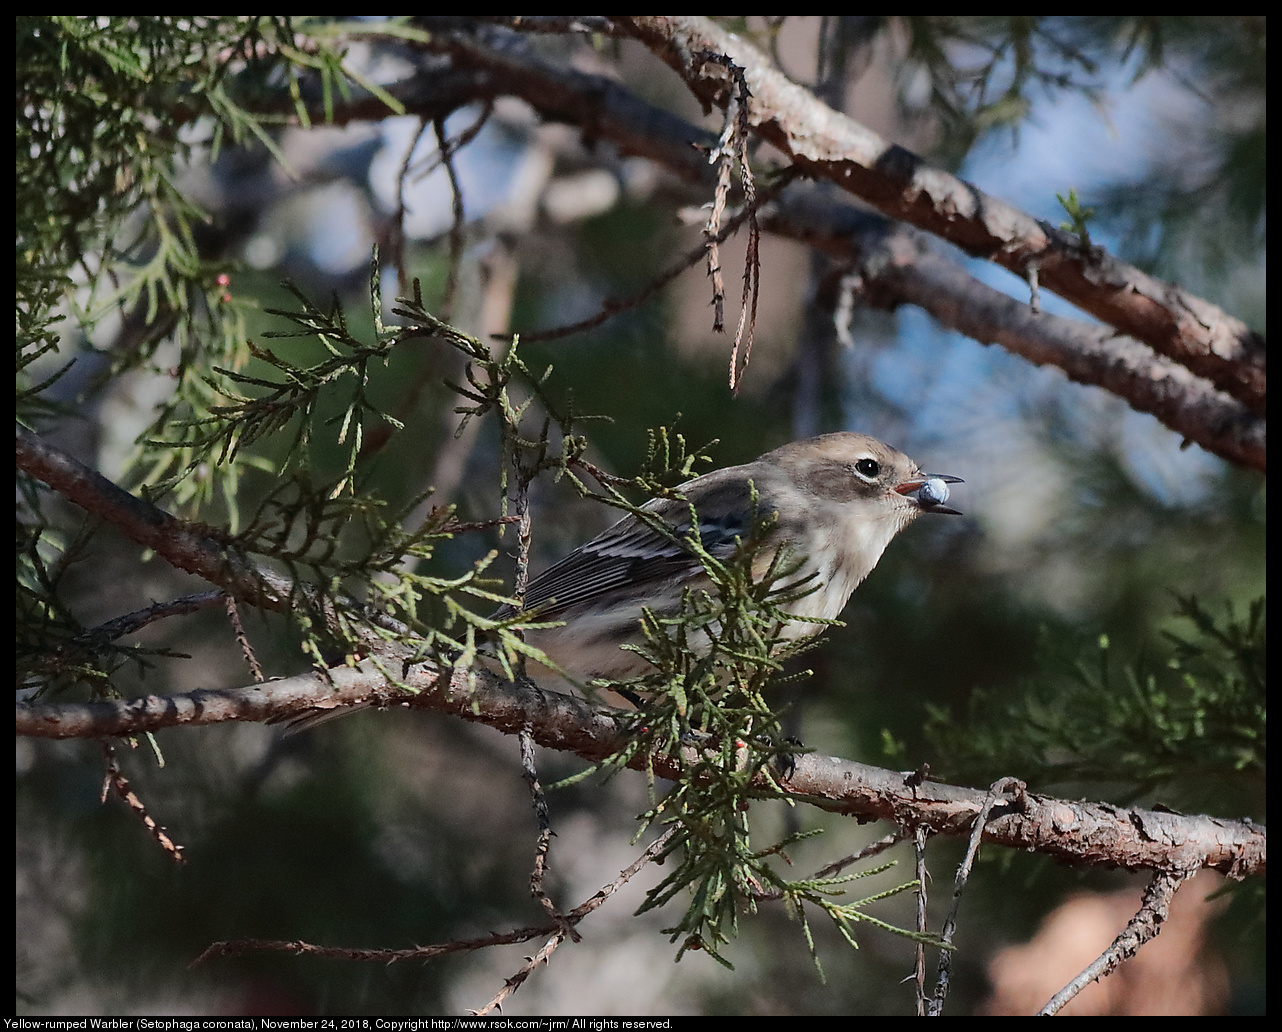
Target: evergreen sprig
1165,724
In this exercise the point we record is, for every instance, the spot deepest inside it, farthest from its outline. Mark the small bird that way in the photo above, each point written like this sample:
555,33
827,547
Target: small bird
836,500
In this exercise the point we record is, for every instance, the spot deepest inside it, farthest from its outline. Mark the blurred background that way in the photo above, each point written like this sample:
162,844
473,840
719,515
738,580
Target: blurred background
975,646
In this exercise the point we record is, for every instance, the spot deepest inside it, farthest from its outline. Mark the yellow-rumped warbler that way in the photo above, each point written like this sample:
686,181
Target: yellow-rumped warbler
836,502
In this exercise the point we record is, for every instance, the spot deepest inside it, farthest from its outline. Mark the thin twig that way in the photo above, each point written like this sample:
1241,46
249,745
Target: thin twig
130,623
752,257
237,947
613,306
457,221
922,894
875,848
242,639
1155,908
116,780
514,983
398,220
577,914
723,156
998,788
544,846
475,525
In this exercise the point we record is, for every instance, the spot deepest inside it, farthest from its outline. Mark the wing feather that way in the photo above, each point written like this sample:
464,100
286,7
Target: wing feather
632,557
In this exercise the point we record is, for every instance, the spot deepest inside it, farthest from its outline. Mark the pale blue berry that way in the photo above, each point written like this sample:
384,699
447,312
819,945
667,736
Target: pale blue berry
933,492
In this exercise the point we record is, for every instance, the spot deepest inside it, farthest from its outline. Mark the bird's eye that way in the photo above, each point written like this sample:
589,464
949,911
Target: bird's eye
868,468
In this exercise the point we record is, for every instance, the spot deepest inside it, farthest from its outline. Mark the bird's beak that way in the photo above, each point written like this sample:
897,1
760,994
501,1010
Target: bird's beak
929,492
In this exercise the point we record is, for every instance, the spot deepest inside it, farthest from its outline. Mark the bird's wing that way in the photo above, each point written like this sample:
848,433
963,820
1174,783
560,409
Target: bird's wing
632,553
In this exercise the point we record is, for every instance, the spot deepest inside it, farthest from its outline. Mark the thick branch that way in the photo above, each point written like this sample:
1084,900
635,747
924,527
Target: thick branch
894,267
181,544
597,106
826,143
187,546
1075,832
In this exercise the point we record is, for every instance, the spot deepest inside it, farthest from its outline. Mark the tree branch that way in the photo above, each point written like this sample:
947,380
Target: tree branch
1155,908
194,548
895,267
1073,832
1193,332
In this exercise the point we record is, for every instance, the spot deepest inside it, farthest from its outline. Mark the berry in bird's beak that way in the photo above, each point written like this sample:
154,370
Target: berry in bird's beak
930,491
